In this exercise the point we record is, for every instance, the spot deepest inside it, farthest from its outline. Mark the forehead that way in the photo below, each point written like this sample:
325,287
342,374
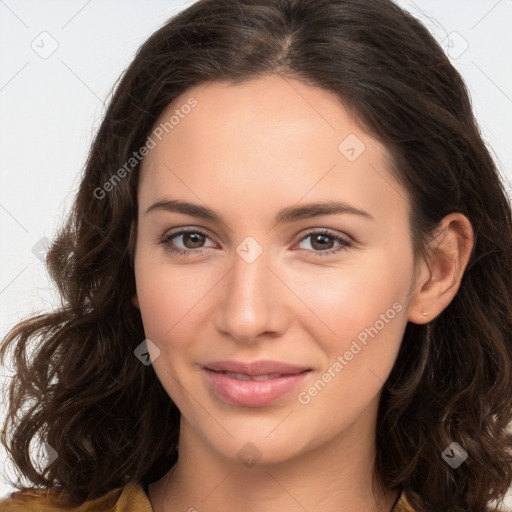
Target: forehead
272,109
263,140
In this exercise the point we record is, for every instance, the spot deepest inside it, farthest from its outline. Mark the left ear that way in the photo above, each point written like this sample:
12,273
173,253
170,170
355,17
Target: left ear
439,278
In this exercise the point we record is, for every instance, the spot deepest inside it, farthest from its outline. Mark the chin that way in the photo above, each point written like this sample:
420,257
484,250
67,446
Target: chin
252,448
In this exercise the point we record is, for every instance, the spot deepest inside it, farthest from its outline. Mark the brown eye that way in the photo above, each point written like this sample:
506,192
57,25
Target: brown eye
192,241
322,243
194,238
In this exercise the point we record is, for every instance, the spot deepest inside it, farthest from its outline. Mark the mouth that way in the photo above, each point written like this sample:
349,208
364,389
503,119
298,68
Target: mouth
244,376
252,387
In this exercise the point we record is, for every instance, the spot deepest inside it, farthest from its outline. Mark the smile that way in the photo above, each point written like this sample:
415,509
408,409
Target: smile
251,390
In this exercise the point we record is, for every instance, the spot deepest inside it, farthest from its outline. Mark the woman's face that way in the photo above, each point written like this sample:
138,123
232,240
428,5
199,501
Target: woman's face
266,275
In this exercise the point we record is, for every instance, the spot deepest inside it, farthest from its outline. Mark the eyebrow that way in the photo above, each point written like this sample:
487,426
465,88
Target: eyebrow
286,215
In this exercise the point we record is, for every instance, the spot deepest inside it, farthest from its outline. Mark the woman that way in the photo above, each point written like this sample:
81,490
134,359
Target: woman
286,280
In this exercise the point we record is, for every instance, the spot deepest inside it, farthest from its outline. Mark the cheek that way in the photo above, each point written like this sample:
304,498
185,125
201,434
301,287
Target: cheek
168,299
168,294
363,317
341,302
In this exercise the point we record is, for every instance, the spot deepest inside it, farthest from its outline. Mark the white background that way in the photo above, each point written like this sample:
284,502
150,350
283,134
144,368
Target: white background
50,108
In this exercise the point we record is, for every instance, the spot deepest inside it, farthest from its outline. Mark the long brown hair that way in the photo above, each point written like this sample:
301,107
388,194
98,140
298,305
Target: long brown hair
78,385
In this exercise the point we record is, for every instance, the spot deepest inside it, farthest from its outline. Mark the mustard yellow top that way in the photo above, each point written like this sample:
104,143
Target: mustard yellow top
130,498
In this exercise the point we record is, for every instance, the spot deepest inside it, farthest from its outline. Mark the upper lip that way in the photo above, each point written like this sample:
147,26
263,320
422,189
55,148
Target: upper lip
261,367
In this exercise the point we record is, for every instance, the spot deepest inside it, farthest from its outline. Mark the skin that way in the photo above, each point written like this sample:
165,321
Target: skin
247,151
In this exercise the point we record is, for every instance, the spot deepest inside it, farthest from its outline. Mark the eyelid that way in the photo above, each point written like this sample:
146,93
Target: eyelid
175,232
327,231
346,242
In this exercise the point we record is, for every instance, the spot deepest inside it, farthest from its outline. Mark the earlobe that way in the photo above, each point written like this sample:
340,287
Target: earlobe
440,277
420,311
135,301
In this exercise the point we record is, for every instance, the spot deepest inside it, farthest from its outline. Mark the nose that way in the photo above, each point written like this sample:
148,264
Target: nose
254,302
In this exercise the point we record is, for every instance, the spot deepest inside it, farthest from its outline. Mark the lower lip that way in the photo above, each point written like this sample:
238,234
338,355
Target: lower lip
252,393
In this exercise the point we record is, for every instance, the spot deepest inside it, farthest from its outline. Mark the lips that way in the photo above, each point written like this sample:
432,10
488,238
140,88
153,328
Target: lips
262,367
243,376
253,384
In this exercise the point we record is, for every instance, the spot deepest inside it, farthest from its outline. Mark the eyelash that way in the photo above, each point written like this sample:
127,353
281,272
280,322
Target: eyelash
345,244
